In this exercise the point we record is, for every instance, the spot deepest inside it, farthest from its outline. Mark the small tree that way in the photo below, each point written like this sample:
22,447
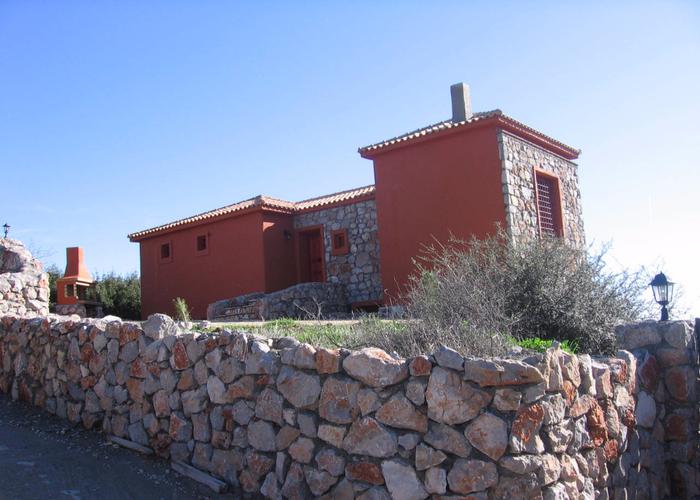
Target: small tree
120,295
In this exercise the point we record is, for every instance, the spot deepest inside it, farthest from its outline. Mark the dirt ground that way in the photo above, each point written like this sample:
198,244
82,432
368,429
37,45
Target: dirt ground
44,457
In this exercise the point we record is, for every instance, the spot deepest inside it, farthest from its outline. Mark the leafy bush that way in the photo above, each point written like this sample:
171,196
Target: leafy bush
472,297
54,273
120,295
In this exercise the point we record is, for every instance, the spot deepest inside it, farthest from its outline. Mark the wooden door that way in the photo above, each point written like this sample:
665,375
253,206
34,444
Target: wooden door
316,257
311,262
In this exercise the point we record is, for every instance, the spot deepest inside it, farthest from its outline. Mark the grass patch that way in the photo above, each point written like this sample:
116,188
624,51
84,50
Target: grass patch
541,345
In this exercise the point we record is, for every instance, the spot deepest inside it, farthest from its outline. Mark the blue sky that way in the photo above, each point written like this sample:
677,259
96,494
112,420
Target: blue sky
117,116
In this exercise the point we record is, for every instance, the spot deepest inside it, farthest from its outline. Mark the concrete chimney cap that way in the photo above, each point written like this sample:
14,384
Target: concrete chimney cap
461,102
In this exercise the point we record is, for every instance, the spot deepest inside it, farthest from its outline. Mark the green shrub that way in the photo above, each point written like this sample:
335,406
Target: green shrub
541,345
182,311
54,274
120,295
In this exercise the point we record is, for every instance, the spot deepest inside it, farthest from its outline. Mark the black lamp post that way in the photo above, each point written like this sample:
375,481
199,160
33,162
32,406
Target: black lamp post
663,293
6,227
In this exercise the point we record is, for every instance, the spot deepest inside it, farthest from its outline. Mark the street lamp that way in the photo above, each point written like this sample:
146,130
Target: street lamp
663,293
6,227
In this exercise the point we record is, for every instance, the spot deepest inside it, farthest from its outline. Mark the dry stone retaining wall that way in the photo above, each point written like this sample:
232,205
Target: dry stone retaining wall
287,420
305,301
665,445
24,286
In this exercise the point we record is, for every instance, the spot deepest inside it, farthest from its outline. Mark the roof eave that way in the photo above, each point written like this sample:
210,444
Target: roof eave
370,152
514,126
151,233
538,138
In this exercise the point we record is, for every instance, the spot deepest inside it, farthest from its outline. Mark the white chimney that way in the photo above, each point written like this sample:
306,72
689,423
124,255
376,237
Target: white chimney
461,102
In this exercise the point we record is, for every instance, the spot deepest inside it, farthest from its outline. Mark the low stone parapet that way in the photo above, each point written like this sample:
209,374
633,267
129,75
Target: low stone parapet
303,301
282,419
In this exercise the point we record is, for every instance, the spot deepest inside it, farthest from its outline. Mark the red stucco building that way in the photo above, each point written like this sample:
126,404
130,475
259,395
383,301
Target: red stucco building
460,177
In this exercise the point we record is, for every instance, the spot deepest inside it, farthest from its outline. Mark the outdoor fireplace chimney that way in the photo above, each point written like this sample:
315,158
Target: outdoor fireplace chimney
461,102
75,290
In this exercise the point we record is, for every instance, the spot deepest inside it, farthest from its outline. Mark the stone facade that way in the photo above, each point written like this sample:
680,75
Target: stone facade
665,440
286,420
358,270
304,301
519,158
24,286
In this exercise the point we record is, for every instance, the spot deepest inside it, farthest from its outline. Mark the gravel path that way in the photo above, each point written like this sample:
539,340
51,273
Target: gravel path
42,456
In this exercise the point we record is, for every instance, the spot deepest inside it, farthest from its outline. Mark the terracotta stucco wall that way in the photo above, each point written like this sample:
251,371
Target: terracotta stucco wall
233,265
431,189
280,260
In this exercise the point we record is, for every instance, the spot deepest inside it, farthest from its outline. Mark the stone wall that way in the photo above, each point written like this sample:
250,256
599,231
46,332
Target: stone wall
665,440
303,301
284,419
358,270
24,286
519,158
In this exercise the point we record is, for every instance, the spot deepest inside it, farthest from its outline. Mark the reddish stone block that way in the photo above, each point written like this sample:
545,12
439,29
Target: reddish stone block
327,360
595,423
420,366
628,419
138,369
86,353
364,471
128,333
527,422
649,374
570,391
680,382
180,359
611,450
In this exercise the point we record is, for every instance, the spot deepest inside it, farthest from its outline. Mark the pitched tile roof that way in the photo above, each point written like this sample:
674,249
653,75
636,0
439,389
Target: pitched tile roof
262,201
331,199
442,126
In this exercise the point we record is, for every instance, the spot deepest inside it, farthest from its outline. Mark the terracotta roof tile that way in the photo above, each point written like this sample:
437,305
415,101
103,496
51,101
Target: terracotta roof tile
335,198
449,124
262,202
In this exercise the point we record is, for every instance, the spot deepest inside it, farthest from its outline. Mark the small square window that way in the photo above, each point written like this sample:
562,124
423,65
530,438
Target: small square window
202,243
165,251
339,240
70,291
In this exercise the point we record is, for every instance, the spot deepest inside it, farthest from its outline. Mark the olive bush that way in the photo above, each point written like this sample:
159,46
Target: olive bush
479,296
